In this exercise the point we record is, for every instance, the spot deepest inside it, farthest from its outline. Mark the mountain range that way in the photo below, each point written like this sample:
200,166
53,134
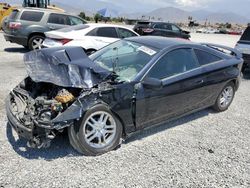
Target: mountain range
171,14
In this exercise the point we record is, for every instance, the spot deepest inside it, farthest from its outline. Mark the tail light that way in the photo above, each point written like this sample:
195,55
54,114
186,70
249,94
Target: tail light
15,25
147,30
64,41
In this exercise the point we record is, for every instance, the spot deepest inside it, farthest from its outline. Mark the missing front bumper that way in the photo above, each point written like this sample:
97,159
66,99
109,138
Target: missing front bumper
36,137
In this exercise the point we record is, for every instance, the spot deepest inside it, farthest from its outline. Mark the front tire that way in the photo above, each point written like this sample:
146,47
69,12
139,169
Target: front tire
225,98
100,131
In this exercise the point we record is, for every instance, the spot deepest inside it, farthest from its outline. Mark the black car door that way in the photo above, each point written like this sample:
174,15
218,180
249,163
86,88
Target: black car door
182,89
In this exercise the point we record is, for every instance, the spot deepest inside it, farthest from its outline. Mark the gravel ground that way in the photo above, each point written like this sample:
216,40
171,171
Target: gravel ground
205,149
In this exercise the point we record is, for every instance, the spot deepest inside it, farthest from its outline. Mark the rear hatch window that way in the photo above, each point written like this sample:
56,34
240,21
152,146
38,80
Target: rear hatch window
246,35
143,24
32,16
14,14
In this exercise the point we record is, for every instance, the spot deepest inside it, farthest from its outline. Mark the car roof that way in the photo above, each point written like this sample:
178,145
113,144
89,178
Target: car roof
157,22
45,10
106,25
159,42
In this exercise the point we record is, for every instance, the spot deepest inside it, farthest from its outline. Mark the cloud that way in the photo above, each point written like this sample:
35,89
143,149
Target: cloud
164,3
193,3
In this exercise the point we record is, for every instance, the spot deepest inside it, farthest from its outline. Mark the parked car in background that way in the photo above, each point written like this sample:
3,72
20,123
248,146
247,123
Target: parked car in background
26,26
126,86
160,29
91,37
207,30
243,45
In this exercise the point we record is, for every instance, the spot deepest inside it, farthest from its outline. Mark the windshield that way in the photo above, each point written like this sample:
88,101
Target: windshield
126,59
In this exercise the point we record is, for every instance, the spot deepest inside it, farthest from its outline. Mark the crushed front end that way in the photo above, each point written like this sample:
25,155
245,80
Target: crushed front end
47,101
33,108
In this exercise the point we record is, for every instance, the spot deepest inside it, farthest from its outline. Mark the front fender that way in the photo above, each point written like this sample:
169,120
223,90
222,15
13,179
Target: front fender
77,109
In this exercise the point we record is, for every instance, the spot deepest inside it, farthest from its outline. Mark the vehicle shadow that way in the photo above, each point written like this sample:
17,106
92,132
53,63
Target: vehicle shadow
167,125
60,147
16,50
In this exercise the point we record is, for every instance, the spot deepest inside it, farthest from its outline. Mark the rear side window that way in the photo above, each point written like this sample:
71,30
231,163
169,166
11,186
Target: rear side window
58,19
158,26
173,63
13,15
104,32
75,21
163,26
205,58
246,34
32,16
124,33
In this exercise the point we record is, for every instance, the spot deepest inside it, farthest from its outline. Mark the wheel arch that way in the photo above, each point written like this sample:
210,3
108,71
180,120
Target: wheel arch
124,132
236,83
36,33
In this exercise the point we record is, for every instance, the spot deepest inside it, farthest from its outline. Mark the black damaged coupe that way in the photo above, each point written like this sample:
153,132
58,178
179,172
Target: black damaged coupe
127,86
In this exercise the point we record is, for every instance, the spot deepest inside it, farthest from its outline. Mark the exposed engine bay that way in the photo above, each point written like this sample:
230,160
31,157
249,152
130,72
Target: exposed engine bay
36,104
43,101
62,84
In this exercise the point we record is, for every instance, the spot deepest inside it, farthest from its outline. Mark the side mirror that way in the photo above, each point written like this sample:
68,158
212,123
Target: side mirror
152,83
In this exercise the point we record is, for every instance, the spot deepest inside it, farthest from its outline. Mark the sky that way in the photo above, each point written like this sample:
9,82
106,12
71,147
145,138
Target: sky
237,6
240,7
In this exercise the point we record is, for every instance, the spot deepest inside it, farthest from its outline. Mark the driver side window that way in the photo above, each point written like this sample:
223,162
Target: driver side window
173,63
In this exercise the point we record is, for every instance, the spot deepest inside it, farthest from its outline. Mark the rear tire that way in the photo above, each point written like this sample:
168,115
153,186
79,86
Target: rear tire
98,132
35,42
225,98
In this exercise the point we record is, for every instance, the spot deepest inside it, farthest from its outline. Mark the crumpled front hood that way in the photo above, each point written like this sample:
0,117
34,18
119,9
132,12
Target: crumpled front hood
64,66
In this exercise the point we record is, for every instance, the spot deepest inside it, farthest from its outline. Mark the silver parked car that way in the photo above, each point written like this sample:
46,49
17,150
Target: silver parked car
26,26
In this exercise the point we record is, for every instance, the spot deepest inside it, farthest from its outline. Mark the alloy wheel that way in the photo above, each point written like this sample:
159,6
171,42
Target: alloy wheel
99,129
226,96
37,43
